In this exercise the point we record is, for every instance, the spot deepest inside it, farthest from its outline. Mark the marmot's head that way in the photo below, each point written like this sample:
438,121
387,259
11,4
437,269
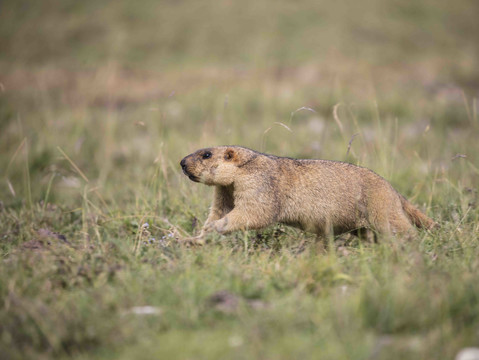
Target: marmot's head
216,165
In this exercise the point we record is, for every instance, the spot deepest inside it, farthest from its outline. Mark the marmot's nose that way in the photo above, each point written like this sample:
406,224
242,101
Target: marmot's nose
183,164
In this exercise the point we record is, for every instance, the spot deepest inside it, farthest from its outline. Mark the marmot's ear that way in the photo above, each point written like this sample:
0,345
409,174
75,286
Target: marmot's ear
230,154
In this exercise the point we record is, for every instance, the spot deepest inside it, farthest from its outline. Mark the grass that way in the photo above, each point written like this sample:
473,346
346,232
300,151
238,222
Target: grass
99,103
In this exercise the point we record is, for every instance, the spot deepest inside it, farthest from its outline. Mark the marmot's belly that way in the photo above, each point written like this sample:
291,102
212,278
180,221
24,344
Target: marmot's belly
324,219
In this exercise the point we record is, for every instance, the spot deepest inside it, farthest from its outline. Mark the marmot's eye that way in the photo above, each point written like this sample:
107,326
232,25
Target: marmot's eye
207,155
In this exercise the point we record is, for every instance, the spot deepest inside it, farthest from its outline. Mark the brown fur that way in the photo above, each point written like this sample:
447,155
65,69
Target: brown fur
254,190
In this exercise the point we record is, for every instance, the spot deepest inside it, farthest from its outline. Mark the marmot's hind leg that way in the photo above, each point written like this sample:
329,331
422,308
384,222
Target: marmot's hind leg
400,225
385,213
394,224
365,234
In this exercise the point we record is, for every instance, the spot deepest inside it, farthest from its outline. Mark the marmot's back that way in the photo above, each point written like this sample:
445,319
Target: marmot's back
321,193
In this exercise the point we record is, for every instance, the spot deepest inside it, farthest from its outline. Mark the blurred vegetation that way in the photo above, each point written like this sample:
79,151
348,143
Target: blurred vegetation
100,100
152,34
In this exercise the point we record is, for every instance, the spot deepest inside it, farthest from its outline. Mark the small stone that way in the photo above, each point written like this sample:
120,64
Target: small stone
235,341
224,301
145,310
470,353
46,233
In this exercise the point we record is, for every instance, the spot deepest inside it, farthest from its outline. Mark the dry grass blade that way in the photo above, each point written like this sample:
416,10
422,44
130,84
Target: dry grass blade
20,147
350,143
10,187
336,118
77,169
263,139
283,125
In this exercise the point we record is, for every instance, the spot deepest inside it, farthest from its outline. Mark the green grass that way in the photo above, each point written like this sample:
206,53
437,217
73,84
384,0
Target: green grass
99,101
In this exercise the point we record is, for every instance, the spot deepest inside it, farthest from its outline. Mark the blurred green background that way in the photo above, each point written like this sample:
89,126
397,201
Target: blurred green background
116,83
100,100
151,35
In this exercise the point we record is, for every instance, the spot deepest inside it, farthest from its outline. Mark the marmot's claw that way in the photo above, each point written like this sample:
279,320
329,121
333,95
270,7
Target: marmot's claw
195,240
217,225
208,227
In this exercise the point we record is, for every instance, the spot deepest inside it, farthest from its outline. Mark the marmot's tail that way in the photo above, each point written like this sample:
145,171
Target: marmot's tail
417,217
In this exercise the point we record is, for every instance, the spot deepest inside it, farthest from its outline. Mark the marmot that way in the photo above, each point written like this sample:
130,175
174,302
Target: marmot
254,190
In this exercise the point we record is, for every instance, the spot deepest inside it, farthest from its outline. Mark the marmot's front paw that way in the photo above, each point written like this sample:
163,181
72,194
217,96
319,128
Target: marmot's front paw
218,225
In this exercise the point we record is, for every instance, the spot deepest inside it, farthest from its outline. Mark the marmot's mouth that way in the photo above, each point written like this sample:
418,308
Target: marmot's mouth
190,176
193,178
